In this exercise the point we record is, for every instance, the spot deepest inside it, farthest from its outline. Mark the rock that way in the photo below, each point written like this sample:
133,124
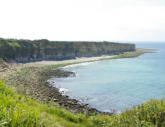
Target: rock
55,100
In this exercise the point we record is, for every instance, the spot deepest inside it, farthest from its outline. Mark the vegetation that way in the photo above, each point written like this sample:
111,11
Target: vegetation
16,110
27,50
138,52
20,106
31,80
21,111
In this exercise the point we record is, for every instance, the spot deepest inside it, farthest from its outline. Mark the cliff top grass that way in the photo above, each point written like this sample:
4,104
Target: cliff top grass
32,50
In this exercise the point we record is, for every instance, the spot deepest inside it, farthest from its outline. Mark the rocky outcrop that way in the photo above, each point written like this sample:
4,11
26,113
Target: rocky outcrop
27,50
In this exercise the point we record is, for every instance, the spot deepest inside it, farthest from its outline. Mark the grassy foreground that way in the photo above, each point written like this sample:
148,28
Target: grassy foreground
21,111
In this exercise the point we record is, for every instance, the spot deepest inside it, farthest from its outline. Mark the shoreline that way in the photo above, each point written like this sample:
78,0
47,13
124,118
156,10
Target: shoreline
37,74
136,53
70,61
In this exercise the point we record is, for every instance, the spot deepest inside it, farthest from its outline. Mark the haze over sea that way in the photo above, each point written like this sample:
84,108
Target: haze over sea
115,85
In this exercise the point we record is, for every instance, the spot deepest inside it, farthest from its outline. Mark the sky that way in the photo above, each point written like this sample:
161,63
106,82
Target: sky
88,20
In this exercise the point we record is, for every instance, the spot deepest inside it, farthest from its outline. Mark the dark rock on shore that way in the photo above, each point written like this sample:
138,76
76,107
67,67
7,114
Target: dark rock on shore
65,101
35,85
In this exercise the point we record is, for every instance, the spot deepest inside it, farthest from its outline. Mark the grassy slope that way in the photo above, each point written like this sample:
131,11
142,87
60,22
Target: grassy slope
21,111
18,110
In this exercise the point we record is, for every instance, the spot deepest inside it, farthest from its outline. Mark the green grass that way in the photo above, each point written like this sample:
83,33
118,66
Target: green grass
136,53
1,60
18,110
21,111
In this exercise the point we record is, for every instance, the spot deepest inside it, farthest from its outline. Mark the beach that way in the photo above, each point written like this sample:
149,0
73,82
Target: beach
34,76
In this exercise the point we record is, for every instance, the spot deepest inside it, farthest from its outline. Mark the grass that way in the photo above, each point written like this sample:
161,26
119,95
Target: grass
21,111
138,52
1,60
17,110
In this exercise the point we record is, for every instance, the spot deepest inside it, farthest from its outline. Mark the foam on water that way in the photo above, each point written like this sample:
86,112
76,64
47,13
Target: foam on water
63,91
115,85
77,65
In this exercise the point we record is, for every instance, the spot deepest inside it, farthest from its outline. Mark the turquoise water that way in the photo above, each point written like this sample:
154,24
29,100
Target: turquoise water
114,85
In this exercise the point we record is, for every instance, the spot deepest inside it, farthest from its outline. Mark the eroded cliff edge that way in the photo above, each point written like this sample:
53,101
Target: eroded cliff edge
36,50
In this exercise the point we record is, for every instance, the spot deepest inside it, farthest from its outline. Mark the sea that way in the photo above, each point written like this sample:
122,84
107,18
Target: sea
119,84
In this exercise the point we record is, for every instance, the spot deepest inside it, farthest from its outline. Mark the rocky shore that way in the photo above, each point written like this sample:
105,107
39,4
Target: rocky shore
51,93
32,80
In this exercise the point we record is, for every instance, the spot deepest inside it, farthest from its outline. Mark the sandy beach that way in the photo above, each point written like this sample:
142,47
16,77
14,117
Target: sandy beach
77,60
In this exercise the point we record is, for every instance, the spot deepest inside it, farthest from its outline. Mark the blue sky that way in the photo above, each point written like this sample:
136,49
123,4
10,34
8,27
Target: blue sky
110,20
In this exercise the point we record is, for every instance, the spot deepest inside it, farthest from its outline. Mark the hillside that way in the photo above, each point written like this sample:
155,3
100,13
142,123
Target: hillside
27,50
26,99
19,110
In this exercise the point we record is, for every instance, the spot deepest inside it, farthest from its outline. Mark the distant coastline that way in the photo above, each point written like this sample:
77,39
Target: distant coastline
36,74
38,50
78,60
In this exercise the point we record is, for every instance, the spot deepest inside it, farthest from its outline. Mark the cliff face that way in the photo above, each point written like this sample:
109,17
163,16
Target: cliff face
27,50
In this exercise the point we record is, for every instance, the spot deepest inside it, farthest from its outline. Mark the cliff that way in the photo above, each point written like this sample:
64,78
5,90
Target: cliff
28,50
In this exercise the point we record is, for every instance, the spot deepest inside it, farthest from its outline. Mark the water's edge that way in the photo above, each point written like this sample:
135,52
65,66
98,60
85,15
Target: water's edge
63,91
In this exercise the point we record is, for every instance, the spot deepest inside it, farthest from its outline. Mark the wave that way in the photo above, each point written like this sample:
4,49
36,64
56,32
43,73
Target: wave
63,91
79,64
